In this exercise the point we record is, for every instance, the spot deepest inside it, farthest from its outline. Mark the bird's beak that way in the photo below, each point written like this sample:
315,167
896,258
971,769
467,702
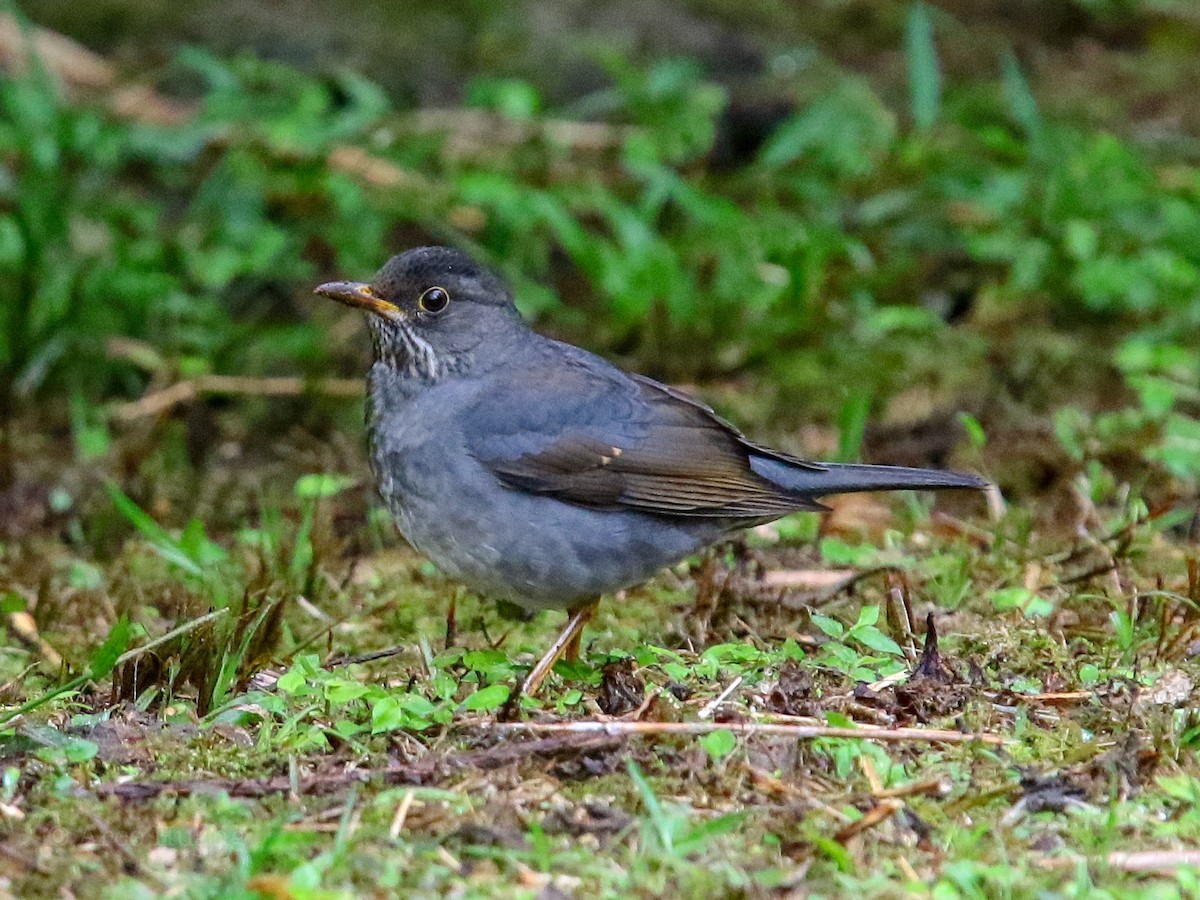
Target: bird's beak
360,296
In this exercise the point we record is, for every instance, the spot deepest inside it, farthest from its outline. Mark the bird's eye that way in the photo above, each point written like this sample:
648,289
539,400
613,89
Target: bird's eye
434,300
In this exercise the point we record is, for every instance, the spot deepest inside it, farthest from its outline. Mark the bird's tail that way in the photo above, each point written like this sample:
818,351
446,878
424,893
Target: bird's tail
844,478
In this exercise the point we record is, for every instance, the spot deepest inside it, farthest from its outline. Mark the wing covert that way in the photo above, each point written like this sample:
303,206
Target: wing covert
589,434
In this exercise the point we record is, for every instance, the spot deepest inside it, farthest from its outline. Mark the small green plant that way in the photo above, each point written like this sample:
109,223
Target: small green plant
844,651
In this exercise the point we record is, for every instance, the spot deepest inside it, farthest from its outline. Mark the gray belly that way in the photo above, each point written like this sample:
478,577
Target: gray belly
532,550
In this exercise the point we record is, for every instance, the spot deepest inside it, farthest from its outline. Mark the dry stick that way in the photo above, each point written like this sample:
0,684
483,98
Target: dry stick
1179,643
783,600
900,615
157,402
870,819
25,629
872,776
850,581
1138,861
768,783
335,662
906,867
401,815
930,787
909,616
1105,566
711,706
71,62
746,729
1187,607
1055,698
636,714
1153,860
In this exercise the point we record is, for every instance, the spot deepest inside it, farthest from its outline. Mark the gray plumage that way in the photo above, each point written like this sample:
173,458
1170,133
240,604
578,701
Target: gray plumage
536,472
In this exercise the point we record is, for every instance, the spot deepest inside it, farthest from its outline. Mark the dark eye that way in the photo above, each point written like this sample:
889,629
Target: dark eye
434,300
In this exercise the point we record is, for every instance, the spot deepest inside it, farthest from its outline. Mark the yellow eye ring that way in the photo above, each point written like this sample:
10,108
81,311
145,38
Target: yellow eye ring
434,300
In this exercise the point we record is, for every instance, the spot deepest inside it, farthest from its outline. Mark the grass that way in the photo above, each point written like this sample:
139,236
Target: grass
224,675
321,777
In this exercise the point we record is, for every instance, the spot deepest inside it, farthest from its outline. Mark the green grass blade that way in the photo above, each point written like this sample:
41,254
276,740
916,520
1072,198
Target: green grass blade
924,73
166,546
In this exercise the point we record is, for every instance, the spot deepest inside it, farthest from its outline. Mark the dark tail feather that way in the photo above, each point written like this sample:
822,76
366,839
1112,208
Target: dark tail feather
845,478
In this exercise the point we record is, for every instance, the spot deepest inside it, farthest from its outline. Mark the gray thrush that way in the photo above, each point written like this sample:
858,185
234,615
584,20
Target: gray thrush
535,472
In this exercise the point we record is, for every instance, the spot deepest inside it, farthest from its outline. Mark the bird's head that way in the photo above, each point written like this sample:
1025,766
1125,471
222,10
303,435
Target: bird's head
433,311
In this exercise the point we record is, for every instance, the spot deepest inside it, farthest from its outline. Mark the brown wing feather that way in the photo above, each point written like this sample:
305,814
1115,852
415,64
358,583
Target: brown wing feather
686,462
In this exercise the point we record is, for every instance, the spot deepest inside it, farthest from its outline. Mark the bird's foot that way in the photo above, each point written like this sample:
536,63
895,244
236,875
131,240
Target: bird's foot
565,645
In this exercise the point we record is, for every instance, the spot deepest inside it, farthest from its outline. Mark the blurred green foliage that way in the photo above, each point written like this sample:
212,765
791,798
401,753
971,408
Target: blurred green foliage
808,261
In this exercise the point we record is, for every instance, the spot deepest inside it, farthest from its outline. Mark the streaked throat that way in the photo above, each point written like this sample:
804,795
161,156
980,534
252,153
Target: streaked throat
411,355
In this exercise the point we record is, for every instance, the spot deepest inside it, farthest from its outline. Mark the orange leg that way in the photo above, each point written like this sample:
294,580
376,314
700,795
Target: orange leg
566,644
571,651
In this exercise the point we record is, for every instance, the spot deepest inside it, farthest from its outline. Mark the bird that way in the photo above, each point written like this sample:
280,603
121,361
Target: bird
535,472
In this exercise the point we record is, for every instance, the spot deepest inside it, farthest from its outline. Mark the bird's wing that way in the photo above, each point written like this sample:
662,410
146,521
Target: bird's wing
587,433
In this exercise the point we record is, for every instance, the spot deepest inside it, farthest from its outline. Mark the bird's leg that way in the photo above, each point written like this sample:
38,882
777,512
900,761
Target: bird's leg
571,651
566,644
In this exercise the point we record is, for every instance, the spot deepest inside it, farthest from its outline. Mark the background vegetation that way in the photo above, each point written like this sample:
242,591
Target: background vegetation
932,234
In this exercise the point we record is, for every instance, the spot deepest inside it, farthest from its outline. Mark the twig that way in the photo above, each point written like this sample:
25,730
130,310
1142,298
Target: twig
778,596
1058,698
872,817
1175,649
138,353
711,706
1153,860
1165,614
747,729
1136,861
769,784
25,629
1103,568
980,537
872,776
161,401
906,867
170,635
651,697
449,860
401,815
474,130
849,582
930,787
899,606
334,662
